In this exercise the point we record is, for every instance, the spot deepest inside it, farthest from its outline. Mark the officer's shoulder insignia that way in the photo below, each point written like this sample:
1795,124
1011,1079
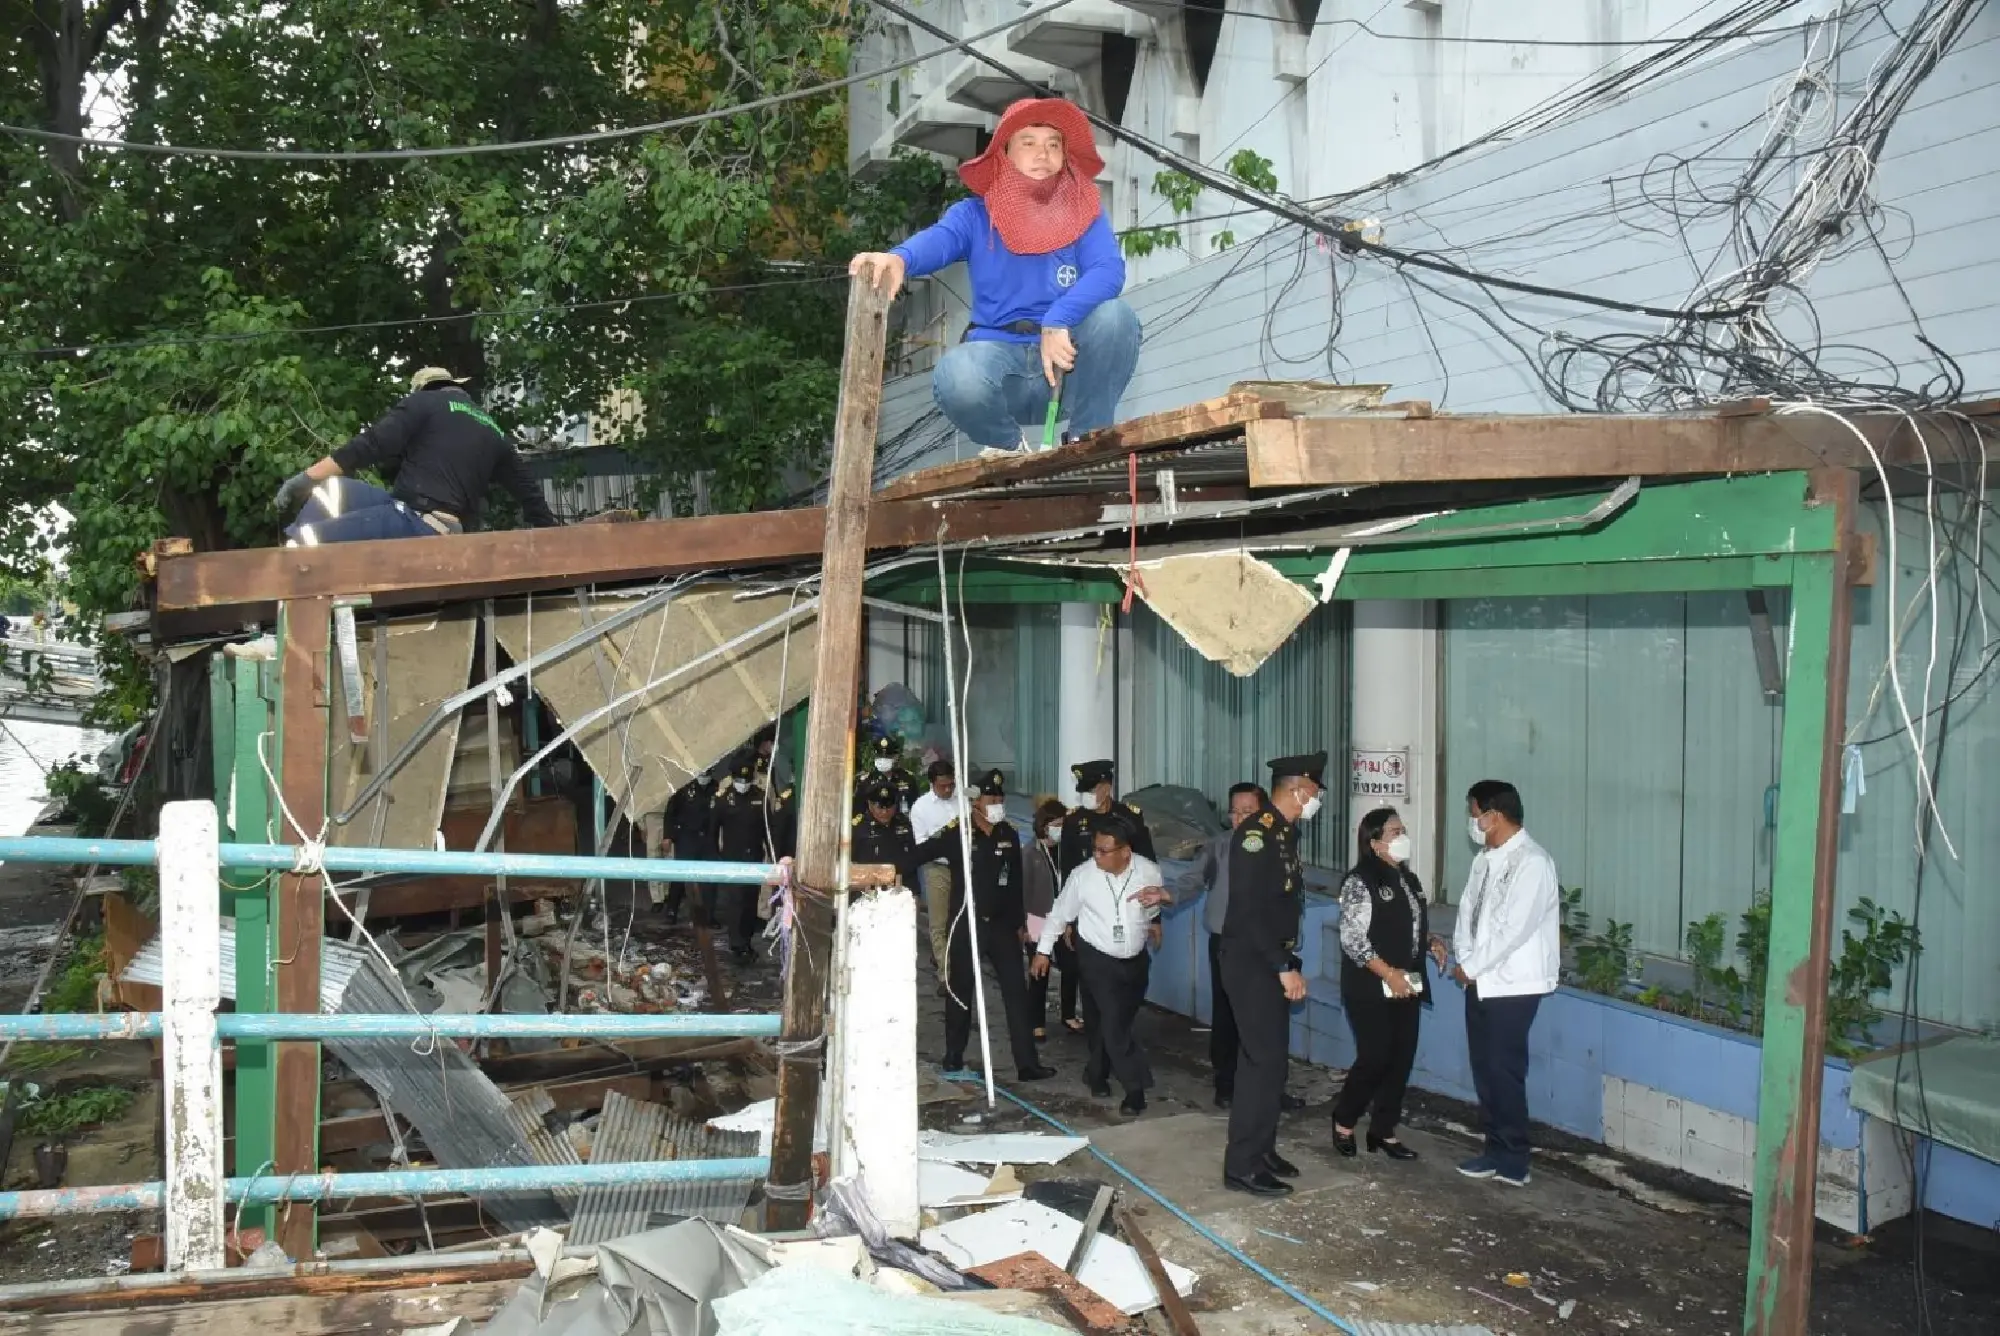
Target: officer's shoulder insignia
1265,820
786,795
1253,843
1385,893
857,818
1133,808
951,824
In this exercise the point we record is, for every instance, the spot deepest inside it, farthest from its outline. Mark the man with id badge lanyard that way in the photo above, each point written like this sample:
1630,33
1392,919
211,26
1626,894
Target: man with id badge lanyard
1509,954
1114,900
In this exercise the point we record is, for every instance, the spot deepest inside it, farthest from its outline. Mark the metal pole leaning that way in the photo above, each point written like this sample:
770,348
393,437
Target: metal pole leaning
190,942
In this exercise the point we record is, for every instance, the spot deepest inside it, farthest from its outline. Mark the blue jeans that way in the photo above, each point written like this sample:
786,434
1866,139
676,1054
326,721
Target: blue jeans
990,388
1496,1039
341,510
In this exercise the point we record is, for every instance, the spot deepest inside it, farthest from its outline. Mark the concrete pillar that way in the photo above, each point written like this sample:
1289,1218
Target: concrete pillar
872,1132
1087,714
1396,706
191,1057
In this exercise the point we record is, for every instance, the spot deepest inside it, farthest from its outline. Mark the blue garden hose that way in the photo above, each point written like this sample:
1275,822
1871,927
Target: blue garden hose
1276,1281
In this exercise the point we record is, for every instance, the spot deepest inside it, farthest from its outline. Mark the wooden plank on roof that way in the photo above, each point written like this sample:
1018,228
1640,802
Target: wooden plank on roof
479,565
1366,450
1177,426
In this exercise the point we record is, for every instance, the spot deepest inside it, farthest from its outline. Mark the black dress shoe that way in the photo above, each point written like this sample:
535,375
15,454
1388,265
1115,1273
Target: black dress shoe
1036,1073
1100,1090
1259,1184
1280,1166
1395,1150
1290,1103
1344,1143
952,1063
1223,1099
1133,1104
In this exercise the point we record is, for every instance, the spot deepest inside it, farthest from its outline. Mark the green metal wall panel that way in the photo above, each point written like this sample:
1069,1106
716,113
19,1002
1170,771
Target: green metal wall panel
1647,756
1037,689
1195,724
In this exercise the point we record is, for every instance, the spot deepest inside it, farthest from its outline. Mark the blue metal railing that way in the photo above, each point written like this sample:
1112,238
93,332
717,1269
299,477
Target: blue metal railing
307,1026
270,1189
284,857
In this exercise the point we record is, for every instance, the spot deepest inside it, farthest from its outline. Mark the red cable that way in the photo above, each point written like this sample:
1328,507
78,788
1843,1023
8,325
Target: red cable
1133,580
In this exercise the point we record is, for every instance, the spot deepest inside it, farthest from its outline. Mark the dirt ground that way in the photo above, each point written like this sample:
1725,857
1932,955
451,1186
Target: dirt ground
1605,1245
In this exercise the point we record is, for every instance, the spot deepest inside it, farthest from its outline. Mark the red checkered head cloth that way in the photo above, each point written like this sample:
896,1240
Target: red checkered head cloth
1036,217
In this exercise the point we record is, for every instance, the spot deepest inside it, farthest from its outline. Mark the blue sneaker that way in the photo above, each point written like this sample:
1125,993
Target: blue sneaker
1480,1166
1513,1178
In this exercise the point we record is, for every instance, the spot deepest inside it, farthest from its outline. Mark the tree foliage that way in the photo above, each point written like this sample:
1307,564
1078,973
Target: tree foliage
691,274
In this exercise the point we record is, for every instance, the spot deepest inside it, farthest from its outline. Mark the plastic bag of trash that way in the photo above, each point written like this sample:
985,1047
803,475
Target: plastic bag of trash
773,1304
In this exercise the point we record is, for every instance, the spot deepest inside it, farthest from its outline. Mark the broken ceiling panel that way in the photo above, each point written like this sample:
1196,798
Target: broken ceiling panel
1233,608
645,750
424,661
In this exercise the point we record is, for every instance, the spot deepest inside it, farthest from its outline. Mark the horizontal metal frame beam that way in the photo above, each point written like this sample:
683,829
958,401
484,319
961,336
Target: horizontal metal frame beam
271,1189
64,1026
1717,533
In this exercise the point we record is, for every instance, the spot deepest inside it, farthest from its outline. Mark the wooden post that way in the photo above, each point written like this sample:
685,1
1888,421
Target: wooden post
301,918
1801,947
190,896
828,762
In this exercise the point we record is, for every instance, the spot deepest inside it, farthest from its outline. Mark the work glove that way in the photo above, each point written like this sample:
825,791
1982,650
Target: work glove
292,493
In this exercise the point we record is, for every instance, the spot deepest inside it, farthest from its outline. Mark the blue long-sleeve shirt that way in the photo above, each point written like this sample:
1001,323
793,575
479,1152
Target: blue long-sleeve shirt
1056,290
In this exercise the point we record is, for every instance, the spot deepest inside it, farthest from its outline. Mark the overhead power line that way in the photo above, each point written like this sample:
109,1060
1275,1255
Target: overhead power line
1291,211
511,146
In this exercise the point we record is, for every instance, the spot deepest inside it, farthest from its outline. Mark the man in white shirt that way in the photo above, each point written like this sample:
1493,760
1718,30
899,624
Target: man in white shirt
1114,900
1509,954
937,808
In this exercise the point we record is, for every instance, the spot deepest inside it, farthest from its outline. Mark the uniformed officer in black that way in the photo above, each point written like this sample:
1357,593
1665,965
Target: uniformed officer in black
689,825
881,769
742,836
882,834
1002,926
1075,847
1261,969
782,814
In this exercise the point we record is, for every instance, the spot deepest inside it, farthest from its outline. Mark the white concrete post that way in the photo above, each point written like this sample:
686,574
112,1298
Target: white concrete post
1396,691
191,945
875,1058
1087,711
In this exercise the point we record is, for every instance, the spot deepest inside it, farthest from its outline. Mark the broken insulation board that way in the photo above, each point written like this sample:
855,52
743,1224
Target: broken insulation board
644,751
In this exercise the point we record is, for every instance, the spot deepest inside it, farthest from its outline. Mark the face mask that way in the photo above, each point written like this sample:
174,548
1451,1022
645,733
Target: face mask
884,764
740,785
1472,829
1401,848
1311,809
1055,833
996,812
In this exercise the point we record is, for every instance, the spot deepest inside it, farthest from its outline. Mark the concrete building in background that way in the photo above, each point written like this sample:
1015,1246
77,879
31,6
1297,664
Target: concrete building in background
1609,168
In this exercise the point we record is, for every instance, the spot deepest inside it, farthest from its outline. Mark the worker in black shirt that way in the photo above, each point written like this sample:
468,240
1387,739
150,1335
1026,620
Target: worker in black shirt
1261,969
1002,926
688,821
446,452
1093,778
742,836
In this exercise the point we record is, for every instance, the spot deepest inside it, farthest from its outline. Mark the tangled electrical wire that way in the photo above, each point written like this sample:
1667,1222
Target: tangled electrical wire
1805,195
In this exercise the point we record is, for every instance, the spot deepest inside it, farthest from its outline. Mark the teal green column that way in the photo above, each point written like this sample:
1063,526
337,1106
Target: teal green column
1802,895
222,737
256,1082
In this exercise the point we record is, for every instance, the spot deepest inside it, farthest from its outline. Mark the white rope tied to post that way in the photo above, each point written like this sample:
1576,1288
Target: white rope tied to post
309,858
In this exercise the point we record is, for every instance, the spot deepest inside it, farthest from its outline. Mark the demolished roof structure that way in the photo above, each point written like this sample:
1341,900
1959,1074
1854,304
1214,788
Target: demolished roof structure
1233,518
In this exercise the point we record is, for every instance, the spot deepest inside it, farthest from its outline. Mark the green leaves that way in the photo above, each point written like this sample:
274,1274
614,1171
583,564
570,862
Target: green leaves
244,318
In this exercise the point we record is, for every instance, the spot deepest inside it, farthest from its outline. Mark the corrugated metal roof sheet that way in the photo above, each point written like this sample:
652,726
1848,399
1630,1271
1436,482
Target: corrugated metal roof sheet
531,1114
337,964
630,1130
464,1119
